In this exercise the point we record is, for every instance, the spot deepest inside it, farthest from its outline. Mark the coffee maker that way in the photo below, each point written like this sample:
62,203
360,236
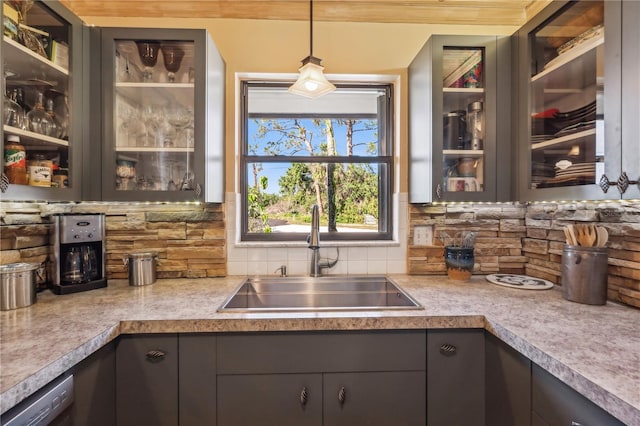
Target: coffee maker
78,253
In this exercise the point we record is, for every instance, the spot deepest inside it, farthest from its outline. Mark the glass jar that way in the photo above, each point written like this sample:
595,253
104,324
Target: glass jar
15,161
56,127
475,121
39,170
39,120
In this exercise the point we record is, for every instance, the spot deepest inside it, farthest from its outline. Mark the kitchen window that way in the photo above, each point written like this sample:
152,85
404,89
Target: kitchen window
335,151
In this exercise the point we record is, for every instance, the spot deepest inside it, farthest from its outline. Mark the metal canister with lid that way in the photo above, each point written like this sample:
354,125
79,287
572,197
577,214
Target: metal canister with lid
17,285
39,170
15,161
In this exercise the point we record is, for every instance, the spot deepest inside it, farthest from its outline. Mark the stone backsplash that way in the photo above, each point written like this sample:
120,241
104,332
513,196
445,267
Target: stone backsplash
528,238
189,238
519,238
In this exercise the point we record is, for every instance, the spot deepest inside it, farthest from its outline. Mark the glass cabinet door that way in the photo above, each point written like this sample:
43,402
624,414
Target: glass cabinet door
163,115
463,96
566,102
154,115
41,83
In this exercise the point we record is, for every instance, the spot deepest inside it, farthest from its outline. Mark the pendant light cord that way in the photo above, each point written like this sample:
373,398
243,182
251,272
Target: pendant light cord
310,27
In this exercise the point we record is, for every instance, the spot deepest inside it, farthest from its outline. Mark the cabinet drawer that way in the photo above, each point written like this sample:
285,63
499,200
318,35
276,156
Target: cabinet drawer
267,353
277,399
558,404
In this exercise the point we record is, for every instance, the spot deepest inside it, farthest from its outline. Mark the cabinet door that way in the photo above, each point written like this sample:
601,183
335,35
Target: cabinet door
508,385
630,98
197,384
457,120
270,399
557,404
163,94
569,92
95,389
455,377
43,109
376,398
147,380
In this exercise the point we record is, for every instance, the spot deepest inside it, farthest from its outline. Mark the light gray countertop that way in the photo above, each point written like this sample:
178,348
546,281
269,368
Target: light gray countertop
594,349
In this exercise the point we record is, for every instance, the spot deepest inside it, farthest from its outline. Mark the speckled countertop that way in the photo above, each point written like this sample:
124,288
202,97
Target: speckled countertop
594,349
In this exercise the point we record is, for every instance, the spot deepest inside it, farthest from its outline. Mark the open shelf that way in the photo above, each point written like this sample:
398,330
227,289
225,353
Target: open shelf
31,138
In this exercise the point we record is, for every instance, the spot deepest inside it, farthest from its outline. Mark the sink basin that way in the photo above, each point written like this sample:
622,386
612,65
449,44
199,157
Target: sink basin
332,293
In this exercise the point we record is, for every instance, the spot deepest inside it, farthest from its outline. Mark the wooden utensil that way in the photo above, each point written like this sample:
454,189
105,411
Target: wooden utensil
572,234
602,236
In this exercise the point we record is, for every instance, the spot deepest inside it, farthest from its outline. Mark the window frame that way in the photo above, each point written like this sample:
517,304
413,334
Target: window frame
385,158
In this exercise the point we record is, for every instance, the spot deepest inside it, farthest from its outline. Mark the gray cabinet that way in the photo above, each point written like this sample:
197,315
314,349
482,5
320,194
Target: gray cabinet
197,379
555,404
331,378
64,83
455,377
507,384
577,105
147,380
162,115
459,125
94,383
270,399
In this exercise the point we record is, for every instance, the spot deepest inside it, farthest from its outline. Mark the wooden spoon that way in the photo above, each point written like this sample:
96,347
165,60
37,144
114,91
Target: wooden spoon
572,234
603,236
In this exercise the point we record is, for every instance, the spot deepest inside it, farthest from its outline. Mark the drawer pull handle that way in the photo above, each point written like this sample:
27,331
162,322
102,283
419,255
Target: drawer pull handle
622,183
304,395
448,350
155,355
575,423
342,395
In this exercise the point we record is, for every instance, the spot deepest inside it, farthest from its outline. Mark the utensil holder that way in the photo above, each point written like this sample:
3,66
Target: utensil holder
459,261
142,268
584,274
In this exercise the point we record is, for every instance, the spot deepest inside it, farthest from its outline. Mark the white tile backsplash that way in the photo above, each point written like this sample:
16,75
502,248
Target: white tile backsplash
362,258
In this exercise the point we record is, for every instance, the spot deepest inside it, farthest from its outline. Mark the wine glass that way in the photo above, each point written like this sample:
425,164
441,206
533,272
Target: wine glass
172,56
148,52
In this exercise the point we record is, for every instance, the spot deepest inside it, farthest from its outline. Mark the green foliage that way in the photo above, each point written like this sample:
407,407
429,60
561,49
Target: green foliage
355,185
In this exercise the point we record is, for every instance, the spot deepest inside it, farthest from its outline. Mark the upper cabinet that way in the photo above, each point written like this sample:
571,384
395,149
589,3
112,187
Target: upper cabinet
458,120
573,137
162,96
42,104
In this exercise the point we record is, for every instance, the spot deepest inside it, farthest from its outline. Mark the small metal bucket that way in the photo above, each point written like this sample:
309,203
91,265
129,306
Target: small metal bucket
584,274
18,286
142,268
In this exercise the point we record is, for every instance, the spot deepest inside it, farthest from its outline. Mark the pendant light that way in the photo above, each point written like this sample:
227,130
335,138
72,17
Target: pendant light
311,82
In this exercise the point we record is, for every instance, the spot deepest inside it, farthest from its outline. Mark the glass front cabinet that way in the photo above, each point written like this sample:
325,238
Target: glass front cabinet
42,90
459,121
163,129
570,92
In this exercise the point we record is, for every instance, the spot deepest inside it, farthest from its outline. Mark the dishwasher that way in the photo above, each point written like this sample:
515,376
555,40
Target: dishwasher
50,405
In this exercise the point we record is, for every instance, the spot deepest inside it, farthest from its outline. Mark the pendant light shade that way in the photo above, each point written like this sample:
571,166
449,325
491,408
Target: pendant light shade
311,82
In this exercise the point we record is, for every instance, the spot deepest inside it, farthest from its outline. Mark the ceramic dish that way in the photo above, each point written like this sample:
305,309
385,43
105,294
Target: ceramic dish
520,281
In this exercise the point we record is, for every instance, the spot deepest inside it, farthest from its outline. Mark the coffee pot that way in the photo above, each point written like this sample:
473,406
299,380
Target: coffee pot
73,271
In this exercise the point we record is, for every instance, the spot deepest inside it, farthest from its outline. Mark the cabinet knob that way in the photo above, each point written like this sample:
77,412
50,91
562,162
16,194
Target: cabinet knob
342,395
155,355
622,183
304,395
447,349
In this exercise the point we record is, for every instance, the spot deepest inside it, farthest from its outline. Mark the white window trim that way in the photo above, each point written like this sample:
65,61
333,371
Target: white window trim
393,79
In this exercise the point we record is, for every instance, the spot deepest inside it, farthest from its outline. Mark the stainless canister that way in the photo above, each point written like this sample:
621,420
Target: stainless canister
584,274
142,268
18,285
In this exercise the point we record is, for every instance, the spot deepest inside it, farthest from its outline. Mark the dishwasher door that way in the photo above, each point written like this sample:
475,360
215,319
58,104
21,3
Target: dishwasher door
49,406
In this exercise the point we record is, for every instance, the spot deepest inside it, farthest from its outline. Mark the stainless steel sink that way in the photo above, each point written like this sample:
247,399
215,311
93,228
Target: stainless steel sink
332,293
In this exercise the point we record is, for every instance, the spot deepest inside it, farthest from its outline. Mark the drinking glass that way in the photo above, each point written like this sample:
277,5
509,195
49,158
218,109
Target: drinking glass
172,56
148,52
39,120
